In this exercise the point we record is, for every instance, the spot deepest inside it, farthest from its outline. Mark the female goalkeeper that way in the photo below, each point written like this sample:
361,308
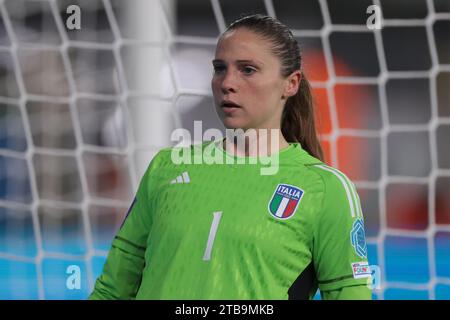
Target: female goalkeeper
225,231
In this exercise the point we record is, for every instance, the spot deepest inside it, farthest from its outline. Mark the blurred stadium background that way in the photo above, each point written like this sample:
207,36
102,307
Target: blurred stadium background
82,112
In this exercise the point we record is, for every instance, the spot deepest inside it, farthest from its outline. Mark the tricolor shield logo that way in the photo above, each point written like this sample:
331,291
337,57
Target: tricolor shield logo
284,201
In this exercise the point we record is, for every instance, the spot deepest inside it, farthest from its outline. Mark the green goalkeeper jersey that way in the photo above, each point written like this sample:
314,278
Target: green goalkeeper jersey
225,231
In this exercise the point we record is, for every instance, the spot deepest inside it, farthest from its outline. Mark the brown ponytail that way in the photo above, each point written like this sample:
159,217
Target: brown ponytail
297,123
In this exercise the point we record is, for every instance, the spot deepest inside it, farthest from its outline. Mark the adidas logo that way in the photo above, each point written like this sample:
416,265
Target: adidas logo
183,178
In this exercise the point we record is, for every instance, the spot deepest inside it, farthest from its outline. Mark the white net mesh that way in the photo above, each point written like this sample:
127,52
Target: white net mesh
83,112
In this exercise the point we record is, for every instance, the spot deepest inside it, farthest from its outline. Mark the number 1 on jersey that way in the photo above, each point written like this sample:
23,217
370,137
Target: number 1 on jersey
212,235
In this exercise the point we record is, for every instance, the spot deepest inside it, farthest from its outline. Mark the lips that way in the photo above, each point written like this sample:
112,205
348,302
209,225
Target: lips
229,104
229,107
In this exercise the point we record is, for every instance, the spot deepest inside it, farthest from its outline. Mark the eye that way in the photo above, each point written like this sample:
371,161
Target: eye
218,68
248,70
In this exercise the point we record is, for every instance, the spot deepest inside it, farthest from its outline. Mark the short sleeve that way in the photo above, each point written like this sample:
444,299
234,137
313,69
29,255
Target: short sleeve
339,243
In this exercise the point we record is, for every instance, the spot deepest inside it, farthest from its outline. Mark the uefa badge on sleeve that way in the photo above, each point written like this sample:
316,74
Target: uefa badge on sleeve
285,200
358,238
361,270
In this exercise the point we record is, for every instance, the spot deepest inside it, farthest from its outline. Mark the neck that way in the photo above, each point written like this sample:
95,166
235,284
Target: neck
257,142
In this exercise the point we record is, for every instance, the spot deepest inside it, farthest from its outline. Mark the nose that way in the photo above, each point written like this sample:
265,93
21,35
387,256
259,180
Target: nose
229,83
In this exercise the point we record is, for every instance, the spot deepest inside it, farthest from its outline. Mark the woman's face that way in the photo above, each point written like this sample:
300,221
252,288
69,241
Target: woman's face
249,90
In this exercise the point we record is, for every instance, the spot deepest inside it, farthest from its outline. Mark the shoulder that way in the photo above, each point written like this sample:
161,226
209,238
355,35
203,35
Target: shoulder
170,156
338,189
332,178
330,175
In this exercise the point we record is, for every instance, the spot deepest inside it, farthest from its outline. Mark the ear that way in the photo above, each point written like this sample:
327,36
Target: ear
292,84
